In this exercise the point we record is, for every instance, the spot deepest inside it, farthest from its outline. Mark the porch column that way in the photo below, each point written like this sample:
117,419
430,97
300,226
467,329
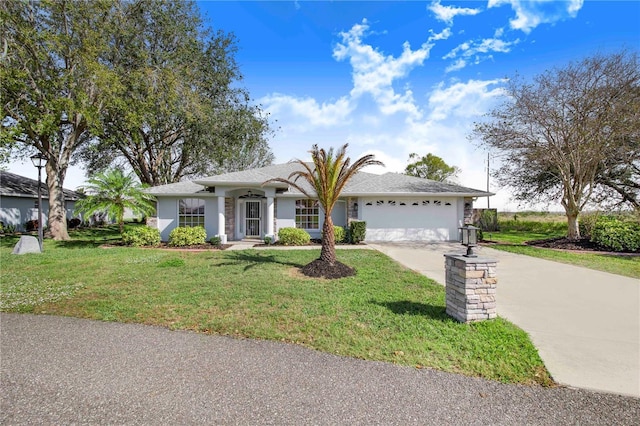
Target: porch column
270,213
221,218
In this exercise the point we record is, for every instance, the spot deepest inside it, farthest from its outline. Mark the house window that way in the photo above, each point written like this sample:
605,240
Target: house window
191,212
307,214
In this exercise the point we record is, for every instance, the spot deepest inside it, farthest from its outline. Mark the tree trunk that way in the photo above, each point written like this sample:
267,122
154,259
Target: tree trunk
573,231
328,252
57,212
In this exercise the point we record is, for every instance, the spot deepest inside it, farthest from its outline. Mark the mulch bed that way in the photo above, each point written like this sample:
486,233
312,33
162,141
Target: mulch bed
321,269
581,245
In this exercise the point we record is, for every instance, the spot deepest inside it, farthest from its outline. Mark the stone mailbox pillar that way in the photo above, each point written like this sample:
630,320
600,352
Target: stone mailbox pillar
471,287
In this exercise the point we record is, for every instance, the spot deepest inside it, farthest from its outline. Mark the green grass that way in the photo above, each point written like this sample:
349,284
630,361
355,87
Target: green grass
628,266
385,312
519,231
514,233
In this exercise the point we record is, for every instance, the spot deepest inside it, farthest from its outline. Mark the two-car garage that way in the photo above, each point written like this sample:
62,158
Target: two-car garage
412,219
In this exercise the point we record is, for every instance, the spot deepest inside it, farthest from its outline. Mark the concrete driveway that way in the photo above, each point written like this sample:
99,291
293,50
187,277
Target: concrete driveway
585,323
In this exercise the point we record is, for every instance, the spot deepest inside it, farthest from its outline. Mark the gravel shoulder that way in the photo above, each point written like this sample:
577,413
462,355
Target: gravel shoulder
57,370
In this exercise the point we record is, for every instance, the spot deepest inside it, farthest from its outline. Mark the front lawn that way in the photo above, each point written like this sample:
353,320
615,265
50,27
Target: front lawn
384,313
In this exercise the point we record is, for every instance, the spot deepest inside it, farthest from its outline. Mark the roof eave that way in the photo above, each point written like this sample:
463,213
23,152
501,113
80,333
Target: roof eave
237,184
417,194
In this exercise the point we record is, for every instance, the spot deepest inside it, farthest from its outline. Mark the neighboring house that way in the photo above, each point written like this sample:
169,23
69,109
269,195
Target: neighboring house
19,200
240,205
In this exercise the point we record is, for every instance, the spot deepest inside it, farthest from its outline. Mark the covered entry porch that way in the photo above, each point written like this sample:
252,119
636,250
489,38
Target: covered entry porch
246,213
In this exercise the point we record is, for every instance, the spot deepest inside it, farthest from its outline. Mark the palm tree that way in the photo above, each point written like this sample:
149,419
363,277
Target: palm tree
328,177
112,192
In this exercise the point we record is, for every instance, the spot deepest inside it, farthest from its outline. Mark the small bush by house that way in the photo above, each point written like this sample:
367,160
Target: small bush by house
616,234
339,234
357,231
293,237
187,236
141,236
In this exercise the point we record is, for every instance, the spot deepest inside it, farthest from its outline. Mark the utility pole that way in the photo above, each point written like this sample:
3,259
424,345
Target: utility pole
488,179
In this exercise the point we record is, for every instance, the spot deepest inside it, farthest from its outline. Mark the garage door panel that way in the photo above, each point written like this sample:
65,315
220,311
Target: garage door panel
411,219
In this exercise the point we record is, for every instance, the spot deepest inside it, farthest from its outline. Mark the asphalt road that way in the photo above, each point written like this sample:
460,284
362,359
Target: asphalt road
57,370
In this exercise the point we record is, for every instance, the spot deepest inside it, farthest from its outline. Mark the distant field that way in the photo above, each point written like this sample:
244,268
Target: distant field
533,216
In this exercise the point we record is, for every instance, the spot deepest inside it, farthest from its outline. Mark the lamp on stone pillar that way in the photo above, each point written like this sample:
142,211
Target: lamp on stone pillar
469,239
39,160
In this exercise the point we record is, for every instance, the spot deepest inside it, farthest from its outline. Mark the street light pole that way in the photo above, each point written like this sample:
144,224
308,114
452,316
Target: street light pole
39,161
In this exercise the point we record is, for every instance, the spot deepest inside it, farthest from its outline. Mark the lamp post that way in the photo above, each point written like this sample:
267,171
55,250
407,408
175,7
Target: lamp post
469,239
39,160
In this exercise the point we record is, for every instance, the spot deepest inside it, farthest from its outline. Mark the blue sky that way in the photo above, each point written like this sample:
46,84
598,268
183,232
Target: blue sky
392,78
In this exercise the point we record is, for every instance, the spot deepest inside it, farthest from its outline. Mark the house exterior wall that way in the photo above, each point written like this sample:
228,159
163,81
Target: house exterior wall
393,219
339,214
168,215
17,211
286,215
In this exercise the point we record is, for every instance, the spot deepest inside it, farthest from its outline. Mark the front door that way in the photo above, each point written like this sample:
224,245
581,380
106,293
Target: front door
252,219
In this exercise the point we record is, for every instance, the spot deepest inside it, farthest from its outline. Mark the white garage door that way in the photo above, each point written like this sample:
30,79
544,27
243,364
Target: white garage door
398,219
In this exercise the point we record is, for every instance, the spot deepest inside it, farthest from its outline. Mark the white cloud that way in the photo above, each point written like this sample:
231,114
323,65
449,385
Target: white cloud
443,35
447,13
374,73
308,109
480,50
457,65
469,99
530,14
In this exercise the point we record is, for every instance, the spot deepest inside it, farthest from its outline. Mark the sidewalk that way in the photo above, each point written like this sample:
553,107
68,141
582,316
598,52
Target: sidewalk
585,323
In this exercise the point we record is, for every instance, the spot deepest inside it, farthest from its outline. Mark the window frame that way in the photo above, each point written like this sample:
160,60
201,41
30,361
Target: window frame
307,214
191,218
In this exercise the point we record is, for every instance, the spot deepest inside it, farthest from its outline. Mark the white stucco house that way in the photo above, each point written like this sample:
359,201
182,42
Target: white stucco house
240,205
19,200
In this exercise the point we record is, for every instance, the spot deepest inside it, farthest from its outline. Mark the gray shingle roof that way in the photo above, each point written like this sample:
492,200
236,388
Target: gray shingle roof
396,183
12,185
179,188
362,184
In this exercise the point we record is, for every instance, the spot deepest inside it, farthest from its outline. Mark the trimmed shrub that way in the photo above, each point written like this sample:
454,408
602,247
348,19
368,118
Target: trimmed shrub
216,241
141,236
587,222
357,231
339,233
73,223
616,234
187,236
293,237
268,240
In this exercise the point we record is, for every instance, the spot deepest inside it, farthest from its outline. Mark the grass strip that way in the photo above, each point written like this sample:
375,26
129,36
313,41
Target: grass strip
625,265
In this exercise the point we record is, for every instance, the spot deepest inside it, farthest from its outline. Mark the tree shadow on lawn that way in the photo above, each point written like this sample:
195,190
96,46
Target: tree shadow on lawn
253,258
406,307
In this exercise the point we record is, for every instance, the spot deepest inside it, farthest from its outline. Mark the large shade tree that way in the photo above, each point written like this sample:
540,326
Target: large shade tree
113,192
559,135
52,85
325,178
178,111
432,167
138,82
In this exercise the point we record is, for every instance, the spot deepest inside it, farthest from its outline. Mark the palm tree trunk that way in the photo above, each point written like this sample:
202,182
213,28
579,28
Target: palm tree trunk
328,252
